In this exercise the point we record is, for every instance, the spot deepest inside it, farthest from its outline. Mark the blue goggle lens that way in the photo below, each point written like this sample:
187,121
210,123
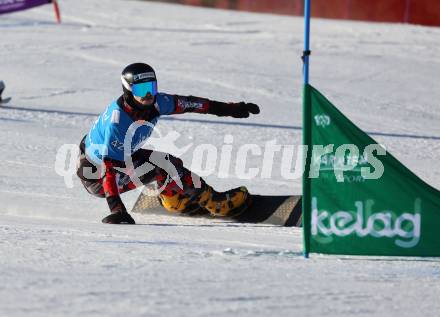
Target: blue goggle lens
142,89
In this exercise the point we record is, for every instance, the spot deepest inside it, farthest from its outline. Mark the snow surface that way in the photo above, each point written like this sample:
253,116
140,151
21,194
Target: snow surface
56,258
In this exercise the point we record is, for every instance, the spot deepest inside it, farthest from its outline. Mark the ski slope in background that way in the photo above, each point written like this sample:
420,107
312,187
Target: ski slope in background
55,255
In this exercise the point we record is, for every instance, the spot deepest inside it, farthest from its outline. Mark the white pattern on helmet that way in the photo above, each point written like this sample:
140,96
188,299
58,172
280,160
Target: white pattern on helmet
149,75
125,83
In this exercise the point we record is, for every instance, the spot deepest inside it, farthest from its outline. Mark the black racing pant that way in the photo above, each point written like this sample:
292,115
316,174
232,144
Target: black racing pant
167,170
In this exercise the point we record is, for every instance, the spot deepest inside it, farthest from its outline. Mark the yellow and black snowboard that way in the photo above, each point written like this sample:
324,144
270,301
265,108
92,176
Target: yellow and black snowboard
275,210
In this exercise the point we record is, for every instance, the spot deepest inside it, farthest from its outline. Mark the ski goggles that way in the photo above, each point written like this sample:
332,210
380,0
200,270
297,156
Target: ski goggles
142,89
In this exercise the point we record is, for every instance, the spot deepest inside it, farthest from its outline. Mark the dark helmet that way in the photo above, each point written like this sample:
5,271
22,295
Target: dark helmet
134,74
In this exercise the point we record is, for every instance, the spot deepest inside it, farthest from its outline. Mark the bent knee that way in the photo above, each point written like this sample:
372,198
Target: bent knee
94,188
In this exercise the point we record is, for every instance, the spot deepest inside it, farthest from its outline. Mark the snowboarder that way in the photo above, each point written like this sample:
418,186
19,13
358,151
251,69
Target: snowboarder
101,162
2,87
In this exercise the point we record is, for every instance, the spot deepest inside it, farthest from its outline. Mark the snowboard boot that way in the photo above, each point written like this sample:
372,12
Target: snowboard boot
181,203
178,200
230,203
200,199
206,200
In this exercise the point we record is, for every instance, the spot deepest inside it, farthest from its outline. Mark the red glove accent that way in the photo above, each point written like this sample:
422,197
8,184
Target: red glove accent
111,190
109,181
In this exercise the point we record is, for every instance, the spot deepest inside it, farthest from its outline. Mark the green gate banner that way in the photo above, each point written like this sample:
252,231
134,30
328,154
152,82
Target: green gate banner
357,198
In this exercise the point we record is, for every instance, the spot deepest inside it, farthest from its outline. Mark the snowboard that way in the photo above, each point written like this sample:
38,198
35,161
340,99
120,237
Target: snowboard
266,209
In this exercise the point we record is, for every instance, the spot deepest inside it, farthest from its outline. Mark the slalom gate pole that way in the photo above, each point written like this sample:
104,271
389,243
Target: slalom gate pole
57,11
306,133
306,53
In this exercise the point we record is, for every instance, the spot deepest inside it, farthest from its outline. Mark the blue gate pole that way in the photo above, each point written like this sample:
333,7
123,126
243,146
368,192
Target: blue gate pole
306,40
306,134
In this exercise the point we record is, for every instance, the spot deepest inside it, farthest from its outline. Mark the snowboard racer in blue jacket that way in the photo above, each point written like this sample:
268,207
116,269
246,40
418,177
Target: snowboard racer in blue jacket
111,153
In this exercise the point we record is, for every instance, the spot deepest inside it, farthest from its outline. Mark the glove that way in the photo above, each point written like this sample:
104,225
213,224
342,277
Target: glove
119,217
235,110
118,212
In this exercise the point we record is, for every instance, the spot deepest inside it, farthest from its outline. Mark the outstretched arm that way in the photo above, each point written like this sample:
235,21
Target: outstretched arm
241,109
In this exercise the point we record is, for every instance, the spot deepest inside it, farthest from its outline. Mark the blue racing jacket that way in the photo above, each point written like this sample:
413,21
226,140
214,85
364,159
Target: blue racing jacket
107,136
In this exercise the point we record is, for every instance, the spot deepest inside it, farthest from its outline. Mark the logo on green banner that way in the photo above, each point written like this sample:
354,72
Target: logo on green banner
404,229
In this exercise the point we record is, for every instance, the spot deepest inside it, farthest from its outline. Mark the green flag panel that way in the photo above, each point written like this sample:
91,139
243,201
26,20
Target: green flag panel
360,200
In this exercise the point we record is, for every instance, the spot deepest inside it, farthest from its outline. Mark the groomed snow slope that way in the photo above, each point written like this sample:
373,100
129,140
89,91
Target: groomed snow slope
57,258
